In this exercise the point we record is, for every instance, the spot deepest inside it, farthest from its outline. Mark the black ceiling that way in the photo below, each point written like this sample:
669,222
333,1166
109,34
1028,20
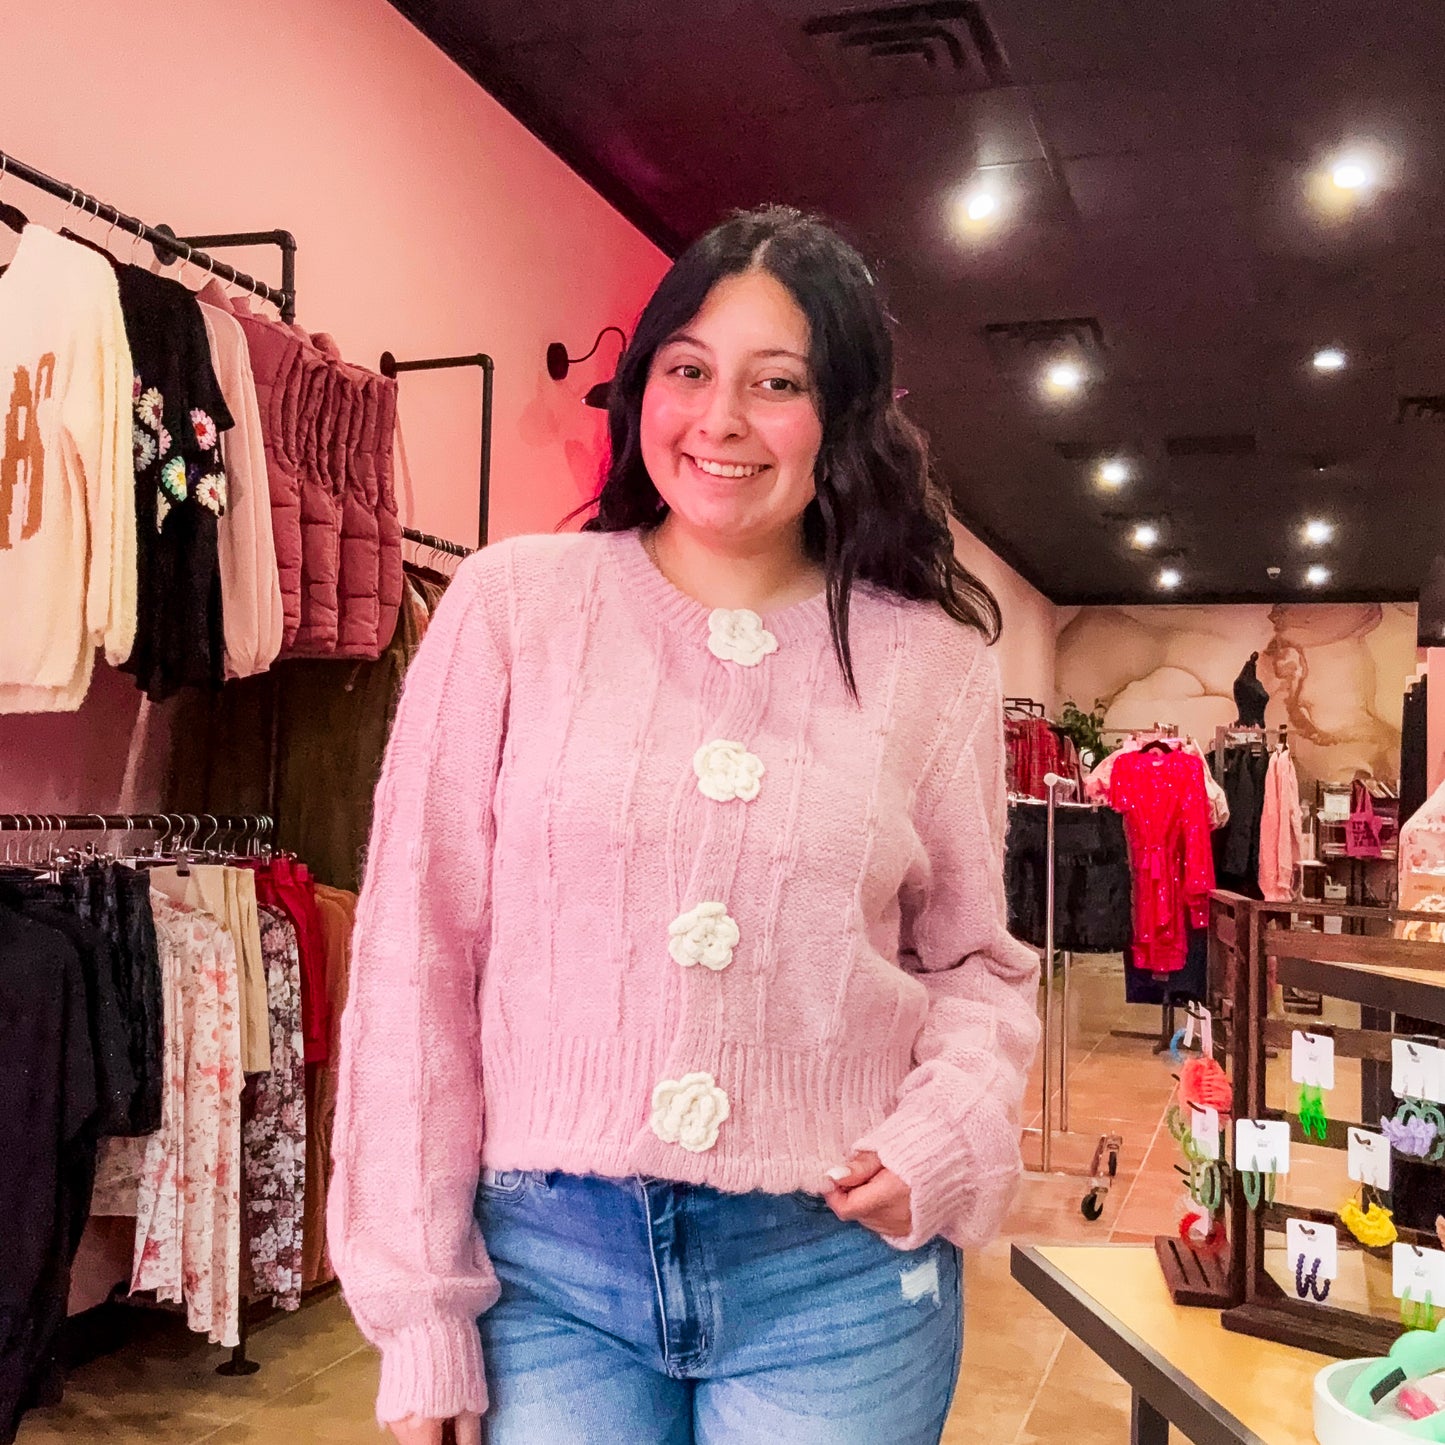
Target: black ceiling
1158,157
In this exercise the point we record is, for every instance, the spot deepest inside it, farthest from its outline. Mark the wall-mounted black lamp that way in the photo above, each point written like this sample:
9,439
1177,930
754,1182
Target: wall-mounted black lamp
558,364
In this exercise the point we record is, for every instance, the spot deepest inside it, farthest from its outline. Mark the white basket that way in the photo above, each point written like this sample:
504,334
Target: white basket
1335,1425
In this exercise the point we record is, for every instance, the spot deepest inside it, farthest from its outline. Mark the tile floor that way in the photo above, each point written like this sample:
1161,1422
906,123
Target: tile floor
1024,1379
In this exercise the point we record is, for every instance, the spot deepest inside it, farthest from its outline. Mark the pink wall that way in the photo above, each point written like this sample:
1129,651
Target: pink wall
429,223
1026,647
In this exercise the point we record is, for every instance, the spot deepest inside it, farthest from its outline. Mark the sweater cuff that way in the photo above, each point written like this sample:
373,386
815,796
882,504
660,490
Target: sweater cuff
961,1181
433,1371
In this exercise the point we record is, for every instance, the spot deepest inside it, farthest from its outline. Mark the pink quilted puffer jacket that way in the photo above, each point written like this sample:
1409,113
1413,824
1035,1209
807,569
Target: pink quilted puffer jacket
351,532
278,364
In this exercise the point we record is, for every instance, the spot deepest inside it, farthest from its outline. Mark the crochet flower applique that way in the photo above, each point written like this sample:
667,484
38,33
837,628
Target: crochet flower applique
739,636
149,407
704,935
727,770
204,428
689,1111
211,492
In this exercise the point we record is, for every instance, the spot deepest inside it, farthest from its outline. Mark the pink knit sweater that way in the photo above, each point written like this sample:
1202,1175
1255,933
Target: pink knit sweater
649,893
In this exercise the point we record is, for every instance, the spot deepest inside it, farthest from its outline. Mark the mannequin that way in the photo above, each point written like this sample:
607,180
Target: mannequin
1250,696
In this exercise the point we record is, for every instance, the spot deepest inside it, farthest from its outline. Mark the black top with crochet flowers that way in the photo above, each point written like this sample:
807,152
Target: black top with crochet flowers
179,414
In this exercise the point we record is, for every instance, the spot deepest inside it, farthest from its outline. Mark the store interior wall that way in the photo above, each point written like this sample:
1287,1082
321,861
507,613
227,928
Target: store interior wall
429,223
1025,648
1336,674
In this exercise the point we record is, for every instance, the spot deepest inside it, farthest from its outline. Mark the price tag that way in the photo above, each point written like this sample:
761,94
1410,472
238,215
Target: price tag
1204,1126
1419,1272
1310,1242
1261,1146
1369,1160
1312,1059
1418,1071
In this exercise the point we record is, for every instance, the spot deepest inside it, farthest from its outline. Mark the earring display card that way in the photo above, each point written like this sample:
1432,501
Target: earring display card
1204,1127
1369,1159
1261,1146
1310,1242
1418,1071
1418,1273
1312,1060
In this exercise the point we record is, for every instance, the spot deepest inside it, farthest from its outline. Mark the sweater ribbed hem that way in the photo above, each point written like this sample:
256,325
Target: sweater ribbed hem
962,1183
432,1370
583,1106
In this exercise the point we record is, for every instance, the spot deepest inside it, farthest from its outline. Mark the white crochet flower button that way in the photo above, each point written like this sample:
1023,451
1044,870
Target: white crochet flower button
704,935
689,1111
739,636
727,770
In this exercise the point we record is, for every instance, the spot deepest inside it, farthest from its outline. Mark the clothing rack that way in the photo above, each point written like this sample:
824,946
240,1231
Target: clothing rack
437,544
1025,706
167,245
254,825
1230,737
390,366
1106,1154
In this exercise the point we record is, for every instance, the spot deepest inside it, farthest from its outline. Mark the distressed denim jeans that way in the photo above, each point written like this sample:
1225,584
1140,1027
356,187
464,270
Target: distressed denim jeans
654,1313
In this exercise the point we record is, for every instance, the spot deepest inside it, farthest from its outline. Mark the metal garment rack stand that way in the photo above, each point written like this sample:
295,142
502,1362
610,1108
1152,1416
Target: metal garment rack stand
167,245
437,544
1106,1153
390,366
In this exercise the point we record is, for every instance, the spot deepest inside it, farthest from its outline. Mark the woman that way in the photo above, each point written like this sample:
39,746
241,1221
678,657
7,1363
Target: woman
683,923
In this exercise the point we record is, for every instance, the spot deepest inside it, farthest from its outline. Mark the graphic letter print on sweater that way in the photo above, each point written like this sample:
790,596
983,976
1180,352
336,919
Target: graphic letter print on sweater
23,461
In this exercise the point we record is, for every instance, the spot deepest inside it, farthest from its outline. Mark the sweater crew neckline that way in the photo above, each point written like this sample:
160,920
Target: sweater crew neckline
665,601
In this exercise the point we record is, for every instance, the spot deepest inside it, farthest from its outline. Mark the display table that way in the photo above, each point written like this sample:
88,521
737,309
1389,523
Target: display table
1184,1368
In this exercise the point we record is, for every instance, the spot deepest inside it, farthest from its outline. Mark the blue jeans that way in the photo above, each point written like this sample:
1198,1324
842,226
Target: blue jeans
670,1314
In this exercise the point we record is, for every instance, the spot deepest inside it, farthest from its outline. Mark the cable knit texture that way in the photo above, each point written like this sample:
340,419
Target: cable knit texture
524,992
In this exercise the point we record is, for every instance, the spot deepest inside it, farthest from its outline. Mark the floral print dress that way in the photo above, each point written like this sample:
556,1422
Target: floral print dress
275,1134
188,1205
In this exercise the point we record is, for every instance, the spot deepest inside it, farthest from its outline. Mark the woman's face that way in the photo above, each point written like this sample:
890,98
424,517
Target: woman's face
730,424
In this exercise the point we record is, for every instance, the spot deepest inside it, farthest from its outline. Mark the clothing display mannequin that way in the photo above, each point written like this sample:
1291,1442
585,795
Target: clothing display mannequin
1250,696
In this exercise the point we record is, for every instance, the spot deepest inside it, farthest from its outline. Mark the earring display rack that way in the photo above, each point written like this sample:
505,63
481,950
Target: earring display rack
1377,988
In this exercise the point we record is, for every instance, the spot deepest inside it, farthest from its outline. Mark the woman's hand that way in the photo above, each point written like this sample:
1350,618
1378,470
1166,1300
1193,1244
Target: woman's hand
416,1431
870,1194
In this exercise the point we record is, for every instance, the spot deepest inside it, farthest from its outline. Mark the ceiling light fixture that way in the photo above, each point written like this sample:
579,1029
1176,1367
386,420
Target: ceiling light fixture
1064,378
1146,534
1352,173
1169,578
1330,359
1317,576
1114,472
1318,531
981,205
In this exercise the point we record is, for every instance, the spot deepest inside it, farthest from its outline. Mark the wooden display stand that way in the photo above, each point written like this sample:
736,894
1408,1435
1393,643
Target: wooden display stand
1387,978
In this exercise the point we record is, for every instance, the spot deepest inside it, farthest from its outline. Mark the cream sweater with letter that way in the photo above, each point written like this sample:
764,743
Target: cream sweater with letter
67,480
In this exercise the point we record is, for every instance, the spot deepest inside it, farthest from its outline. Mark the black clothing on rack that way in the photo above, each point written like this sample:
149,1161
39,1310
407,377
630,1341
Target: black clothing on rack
1189,982
1414,761
1236,845
48,1142
1092,884
1250,696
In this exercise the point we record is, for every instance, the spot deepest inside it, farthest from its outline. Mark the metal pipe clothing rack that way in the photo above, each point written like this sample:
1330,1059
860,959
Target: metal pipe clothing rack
167,245
437,544
390,366
1106,1153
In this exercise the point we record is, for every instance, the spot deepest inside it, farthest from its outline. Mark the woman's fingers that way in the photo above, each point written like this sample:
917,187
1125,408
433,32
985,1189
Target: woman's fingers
858,1170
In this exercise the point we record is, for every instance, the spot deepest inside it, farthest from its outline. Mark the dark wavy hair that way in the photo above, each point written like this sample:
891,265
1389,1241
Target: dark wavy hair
880,514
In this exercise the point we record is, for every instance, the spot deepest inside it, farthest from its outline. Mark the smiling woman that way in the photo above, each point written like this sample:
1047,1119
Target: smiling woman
753,420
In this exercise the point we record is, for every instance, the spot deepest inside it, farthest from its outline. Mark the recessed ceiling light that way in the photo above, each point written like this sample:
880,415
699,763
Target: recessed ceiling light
1064,377
1114,472
1352,173
981,205
1169,578
1330,359
1317,576
1318,531
1146,534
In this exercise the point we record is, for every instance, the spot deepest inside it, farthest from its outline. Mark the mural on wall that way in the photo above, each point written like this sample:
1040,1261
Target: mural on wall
1335,673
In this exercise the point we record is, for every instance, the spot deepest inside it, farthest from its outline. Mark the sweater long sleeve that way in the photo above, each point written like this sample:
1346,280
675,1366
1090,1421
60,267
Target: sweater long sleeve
954,1136
408,1123
650,892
